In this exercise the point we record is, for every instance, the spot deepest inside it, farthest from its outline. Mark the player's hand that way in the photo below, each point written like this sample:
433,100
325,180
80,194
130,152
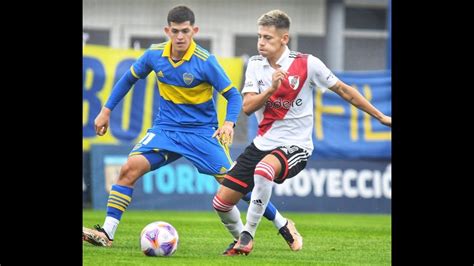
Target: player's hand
225,133
386,120
277,77
101,122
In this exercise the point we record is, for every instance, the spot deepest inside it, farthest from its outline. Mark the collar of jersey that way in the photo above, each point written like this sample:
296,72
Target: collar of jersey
281,59
187,55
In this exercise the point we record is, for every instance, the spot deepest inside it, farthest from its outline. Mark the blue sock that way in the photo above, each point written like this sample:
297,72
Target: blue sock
119,198
270,211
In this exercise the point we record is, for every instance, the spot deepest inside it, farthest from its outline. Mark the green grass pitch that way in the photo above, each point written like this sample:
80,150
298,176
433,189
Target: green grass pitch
329,239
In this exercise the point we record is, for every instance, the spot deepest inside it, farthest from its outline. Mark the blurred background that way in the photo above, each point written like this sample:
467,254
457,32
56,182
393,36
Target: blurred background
350,169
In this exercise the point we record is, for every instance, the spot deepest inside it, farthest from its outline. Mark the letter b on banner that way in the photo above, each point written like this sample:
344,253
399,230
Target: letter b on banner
126,120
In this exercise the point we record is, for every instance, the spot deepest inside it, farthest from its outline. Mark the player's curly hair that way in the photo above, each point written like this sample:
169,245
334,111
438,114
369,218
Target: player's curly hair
180,14
276,18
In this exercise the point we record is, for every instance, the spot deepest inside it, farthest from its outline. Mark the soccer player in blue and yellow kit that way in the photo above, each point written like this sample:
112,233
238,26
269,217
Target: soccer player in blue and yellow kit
186,124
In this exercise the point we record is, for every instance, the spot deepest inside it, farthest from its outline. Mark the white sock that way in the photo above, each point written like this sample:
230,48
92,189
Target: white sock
258,203
279,220
232,221
110,226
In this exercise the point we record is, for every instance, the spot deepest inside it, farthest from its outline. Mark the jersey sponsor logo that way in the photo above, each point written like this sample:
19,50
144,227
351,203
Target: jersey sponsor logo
294,82
188,78
283,103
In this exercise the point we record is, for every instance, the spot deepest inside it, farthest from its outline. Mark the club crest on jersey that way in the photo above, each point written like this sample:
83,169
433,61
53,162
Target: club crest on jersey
294,82
188,78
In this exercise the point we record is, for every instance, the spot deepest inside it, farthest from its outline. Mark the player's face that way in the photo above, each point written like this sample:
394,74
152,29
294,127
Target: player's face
271,41
180,35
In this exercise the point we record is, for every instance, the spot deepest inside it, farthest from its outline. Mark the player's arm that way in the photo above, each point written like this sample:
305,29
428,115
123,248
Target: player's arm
352,96
138,70
253,99
217,77
234,103
327,80
225,133
101,122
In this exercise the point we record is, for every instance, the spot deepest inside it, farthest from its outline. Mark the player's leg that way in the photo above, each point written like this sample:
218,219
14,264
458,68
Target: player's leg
211,158
264,173
282,163
239,179
286,227
119,198
221,160
271,212
263,182
224,204
144,157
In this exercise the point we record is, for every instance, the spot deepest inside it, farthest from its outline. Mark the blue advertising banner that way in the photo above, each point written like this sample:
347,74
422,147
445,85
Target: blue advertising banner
341,131
324,186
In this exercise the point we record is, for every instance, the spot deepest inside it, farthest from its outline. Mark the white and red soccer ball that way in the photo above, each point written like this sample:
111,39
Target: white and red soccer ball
159,239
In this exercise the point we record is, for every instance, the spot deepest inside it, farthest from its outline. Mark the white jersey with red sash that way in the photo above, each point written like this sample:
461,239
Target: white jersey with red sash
287,117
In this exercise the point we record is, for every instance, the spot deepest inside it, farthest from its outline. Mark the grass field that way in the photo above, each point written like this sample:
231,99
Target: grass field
329,239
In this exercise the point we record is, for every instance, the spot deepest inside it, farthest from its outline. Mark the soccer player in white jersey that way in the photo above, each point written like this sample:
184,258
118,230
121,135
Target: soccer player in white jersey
279,86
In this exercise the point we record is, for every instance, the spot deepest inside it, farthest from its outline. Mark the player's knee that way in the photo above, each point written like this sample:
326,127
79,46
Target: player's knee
128,175
221,205
264,171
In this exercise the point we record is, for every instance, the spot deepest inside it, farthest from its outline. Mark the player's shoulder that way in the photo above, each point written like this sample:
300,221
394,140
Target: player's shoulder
256,58
310,58
157,46
255,61
155,50
296,54
202,53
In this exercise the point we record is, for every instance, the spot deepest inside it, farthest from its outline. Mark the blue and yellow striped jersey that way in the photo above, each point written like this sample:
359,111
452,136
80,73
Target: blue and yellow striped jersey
186,87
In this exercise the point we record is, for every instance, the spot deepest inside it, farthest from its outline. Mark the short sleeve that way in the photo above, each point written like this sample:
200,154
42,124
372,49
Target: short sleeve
320,74
251,84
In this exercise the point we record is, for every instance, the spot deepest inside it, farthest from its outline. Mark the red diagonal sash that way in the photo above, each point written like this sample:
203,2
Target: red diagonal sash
285,93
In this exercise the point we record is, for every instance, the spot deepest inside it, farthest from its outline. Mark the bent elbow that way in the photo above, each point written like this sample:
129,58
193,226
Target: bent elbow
247,110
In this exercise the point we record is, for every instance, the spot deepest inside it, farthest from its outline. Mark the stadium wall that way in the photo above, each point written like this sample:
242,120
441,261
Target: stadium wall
148,17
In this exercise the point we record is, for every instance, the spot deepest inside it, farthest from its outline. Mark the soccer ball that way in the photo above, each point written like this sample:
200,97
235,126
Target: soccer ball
159,239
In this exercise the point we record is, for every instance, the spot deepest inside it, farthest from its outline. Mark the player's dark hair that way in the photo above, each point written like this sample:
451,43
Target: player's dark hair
180,14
